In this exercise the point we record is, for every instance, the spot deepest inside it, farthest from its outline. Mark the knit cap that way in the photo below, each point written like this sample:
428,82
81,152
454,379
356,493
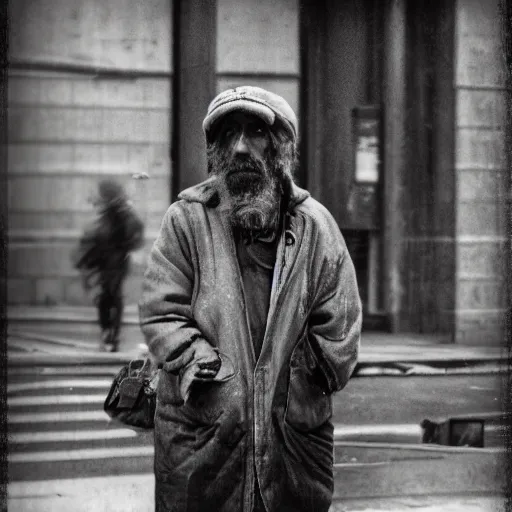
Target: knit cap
253,100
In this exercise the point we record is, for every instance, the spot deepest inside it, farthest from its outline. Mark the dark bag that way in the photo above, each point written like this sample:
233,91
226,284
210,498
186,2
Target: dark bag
132,395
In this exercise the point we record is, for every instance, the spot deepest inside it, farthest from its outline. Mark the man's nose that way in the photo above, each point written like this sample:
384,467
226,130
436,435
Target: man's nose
241,146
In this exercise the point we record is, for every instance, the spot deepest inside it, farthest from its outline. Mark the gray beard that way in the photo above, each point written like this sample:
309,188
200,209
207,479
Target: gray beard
251,202
256,214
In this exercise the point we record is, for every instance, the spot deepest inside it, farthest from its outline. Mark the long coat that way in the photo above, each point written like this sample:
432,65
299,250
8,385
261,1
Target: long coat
271,419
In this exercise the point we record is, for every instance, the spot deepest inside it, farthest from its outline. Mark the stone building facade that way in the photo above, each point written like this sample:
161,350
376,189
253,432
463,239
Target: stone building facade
119,87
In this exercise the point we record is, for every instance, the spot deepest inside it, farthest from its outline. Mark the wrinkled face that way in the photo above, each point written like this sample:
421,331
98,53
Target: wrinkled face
242,156
244,140
245,134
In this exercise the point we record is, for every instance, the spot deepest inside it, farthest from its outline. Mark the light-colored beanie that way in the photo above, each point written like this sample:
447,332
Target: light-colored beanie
253,100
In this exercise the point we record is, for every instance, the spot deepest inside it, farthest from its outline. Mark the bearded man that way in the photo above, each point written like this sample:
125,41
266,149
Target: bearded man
250,305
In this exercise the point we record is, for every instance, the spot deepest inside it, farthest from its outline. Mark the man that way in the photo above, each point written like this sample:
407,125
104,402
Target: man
250,305
103,256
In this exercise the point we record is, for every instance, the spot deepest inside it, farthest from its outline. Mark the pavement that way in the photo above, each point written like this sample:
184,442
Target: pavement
380,354
403,477
134,493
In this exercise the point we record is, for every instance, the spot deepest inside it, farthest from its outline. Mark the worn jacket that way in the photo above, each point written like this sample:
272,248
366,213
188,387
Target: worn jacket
268,419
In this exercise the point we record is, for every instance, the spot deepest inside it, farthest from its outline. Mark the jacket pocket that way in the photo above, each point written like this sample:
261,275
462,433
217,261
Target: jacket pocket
208,399
308,406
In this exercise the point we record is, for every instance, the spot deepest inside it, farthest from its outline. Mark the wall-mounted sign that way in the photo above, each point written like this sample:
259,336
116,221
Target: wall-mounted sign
363,203
366,132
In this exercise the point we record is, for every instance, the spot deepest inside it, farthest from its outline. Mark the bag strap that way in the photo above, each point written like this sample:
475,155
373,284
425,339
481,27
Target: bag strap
141,368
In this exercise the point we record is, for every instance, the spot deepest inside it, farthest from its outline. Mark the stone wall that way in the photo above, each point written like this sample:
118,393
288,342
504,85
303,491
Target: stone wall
89,97
481,178
258,44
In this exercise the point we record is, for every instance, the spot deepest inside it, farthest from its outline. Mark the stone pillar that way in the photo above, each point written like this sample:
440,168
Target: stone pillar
195,50
394,117
481,174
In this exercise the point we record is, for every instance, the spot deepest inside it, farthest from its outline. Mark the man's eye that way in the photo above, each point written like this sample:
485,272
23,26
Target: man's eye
228,132
257,130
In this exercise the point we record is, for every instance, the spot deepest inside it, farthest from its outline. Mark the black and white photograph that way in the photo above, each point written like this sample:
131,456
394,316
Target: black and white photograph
256,256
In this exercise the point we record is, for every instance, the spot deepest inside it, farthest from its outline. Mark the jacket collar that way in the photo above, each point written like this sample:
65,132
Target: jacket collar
207,194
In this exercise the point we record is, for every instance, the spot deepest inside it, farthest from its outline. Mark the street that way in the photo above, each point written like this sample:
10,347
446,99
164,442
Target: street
61,440
57,427
213,170
390,399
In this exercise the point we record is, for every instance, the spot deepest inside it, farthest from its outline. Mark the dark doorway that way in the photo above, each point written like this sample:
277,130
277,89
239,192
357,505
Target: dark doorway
342,51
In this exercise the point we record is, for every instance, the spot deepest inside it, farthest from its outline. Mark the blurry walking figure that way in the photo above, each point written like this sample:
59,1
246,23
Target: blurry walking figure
103,256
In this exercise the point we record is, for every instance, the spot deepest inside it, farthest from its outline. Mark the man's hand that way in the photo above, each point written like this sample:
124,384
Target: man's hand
197,362
201,354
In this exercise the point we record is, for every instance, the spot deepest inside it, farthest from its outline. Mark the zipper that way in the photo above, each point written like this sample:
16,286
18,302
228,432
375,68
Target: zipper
279,272
277,275
250,474
275,301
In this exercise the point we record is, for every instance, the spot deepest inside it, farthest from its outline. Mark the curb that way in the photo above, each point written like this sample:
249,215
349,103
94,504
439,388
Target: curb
450,473
71,359
389,360
363,370
434,368
409,436
71,317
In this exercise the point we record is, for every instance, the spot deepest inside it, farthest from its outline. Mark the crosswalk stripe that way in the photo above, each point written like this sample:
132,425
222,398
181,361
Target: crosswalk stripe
51,384
407,430
396,429
83,370
113,485
56,417
36,346
57,425
71,435
31,346
86,453
17,401
48,340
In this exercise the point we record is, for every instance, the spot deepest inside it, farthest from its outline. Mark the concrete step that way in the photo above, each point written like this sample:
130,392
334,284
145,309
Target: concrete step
408,434
136,492
356,452
373,452
455,471
39,373
65,314
64,386
49,426
467,502
407,473
36,345
34,442
79,463
22,338
56,403
72,358
34,421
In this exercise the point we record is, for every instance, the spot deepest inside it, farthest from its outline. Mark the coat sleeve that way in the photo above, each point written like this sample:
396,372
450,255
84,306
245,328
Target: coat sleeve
334,326
165,308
